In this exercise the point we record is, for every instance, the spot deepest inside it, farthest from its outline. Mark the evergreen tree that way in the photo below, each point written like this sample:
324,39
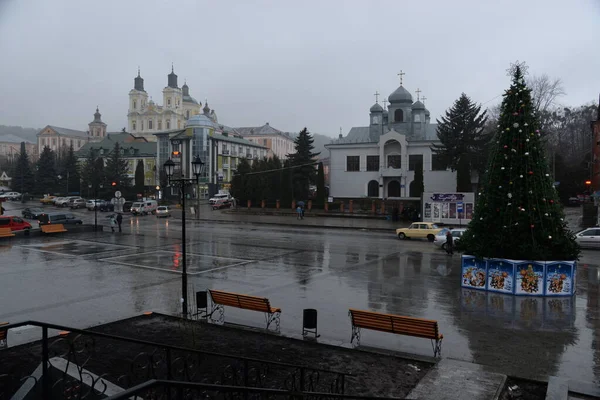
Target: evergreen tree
239,187
139,177
417,186
303,175
46,179
320,199
517,214
89,173
69,171
464,140
23,180
116,168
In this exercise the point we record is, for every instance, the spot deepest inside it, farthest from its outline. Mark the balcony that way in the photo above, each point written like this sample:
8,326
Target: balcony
225,152
390,172
225,166
248,155
256,156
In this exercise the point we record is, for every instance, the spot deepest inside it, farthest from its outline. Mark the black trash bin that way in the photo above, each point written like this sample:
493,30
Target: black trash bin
201,304
309,322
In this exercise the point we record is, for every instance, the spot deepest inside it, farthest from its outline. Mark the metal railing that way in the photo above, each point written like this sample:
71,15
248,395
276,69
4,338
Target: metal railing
173,390
145,360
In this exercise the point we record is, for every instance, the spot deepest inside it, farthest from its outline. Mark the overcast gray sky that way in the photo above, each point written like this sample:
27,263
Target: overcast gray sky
290,63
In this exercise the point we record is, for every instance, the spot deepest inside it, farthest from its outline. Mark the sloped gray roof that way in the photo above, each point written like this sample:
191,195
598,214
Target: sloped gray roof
266,129
67,131
10,138
360,134
232,139
400,95
144,148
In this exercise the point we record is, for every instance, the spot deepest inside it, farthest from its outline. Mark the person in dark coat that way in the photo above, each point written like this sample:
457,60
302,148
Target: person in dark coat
119,221
449,242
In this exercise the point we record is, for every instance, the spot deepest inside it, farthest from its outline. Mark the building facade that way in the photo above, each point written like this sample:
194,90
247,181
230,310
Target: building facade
277,142
145,117
220,147
59,139
595,178
380,160
10,148
133,149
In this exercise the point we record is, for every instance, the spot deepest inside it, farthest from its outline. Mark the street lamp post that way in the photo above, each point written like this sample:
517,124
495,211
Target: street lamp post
197,168
95,204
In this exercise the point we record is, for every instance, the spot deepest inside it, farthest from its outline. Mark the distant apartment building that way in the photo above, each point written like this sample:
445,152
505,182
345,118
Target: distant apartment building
279,143
59,139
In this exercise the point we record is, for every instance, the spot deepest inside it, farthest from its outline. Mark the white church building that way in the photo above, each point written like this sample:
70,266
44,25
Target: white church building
379,160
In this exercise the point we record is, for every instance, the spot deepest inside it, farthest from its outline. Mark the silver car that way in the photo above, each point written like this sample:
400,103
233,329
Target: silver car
163,211
440,239
589,238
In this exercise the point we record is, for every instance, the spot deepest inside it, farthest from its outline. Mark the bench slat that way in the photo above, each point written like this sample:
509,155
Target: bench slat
409,326
246,302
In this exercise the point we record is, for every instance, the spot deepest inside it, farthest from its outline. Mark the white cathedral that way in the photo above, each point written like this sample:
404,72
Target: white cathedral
379,160
145,117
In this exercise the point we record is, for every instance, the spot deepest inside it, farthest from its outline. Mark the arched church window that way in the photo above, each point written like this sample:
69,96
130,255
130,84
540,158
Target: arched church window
168,124
133,127
150,124
169,101
187,114
373,189
417,118
134,104
398,116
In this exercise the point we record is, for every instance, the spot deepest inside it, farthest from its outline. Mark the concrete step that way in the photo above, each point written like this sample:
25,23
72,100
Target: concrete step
451,379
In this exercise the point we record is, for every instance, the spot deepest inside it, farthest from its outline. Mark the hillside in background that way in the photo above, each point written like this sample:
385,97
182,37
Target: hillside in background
24,133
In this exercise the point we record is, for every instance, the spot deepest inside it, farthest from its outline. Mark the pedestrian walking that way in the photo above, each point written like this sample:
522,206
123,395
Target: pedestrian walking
113,222
119,221
449,242
299,212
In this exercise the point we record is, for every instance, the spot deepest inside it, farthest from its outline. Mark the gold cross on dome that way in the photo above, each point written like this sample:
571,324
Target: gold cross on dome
384,103
423,99
376,96
418,92
401,74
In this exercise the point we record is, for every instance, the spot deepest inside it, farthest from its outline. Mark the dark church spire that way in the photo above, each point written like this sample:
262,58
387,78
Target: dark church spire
172,78
138,82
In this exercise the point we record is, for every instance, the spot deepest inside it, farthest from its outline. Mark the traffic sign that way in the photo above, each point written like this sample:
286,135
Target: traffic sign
118,194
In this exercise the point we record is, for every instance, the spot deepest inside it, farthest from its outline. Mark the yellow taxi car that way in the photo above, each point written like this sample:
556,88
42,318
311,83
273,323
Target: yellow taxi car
419,230
47,200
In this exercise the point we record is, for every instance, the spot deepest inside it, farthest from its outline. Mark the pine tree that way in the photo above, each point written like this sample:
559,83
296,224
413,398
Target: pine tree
89,172
303,175
23,180
69,171
239,187
464,140
46,179
139,177
517,214
320,200
116,168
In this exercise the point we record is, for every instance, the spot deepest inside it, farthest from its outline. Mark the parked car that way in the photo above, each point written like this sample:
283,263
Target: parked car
15,224
77,203
47,200
589,238
59,218
65,201
57,199
144,207
419,230
92,203
221,203
574,201
32,213
163,211
440,238
219,197
11,196
127,206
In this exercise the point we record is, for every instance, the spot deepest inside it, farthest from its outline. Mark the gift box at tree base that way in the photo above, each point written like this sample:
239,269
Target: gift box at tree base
519,277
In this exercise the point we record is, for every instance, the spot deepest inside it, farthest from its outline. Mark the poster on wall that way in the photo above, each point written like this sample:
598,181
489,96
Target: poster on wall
559,278
530,279
469,210
436,211
427,210
501,276
452,211
474,273
445,210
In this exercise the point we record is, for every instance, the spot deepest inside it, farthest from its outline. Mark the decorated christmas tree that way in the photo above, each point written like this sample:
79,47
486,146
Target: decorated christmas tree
517,213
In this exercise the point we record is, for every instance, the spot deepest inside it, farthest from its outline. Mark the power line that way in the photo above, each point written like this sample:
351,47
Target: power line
280,169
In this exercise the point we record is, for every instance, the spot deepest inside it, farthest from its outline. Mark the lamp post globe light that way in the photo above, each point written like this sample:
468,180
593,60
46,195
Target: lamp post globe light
181,183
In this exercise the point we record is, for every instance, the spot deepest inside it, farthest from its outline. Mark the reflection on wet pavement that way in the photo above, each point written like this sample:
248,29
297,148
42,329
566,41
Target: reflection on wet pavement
97,278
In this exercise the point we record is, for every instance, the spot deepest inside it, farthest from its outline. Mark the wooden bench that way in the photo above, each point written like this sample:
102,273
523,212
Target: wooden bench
53,228
3,336
245,302
6,232
409,326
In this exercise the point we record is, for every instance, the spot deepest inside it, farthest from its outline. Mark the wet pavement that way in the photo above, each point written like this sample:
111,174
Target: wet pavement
92,278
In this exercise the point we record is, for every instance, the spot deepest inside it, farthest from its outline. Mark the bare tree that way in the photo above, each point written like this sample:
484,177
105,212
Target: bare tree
545,91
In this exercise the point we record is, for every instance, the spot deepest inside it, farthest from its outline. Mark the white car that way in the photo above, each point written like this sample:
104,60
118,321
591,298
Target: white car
163,211
589,238
65,201
440,238
91,204
57,199
220,198
10,196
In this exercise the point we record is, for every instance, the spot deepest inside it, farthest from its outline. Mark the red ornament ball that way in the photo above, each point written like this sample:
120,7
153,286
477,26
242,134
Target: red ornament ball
505,146
530,172
532,226
551,201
